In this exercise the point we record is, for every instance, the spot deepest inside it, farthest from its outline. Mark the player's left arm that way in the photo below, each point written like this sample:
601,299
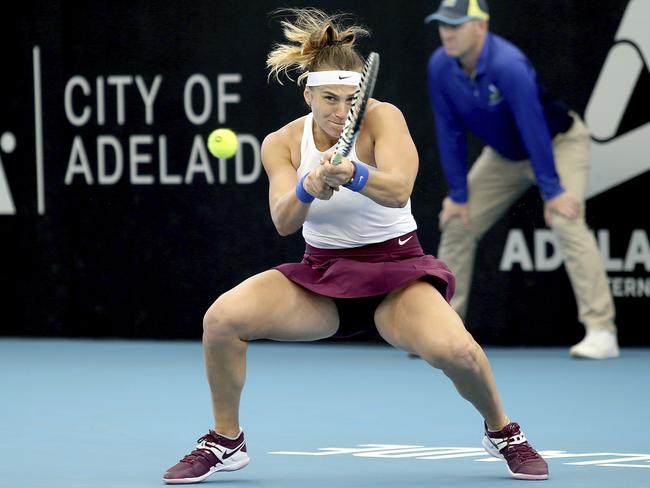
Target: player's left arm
396,157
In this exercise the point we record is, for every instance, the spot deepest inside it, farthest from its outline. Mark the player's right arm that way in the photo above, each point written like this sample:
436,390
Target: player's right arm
287,212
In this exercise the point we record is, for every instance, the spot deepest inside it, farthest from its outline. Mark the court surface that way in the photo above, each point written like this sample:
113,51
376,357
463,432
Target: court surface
83,413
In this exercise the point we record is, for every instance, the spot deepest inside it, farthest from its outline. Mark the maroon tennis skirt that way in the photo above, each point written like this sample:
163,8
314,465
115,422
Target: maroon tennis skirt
376,269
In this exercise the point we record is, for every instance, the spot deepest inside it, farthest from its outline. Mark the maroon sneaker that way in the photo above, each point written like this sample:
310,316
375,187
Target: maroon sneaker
522,460
213,453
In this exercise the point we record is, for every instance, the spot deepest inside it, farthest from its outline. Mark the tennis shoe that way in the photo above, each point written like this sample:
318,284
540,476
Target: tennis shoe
597,344
510,444
213,453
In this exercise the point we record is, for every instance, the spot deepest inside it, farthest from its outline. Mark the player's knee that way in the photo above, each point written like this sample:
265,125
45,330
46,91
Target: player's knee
461,354
219,320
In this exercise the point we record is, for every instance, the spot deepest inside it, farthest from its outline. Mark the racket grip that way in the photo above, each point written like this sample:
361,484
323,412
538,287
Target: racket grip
336,159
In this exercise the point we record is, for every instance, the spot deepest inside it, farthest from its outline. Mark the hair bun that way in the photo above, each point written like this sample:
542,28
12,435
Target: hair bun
310,35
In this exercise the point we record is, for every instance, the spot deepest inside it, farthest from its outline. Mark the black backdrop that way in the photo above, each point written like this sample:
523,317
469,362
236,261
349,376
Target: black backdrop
137,241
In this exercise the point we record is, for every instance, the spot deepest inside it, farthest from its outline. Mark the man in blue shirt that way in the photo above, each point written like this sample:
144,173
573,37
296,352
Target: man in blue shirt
481,83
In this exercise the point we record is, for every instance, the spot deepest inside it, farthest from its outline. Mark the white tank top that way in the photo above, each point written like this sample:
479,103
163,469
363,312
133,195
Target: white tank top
348,219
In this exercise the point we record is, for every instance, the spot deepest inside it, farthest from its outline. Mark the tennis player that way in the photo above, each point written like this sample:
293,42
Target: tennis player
362,253
481,83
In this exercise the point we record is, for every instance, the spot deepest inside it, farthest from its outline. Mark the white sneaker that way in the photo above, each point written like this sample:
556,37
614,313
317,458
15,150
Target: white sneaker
597,344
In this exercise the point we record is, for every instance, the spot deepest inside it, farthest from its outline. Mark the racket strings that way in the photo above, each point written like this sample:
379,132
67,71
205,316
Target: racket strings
358,105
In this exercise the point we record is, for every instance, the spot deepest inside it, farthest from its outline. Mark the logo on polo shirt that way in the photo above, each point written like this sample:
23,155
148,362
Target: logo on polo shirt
495,97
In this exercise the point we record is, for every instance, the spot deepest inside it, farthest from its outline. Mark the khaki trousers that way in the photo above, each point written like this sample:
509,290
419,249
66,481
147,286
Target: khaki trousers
494,185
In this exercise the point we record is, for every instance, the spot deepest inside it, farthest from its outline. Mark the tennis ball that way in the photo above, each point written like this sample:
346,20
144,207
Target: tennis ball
222,143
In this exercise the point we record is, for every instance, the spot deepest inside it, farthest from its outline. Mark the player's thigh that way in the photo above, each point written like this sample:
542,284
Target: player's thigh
418,319
270,306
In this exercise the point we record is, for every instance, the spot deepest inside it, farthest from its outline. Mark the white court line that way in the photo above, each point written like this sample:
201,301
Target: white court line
38,131
328,451
396,451
619,460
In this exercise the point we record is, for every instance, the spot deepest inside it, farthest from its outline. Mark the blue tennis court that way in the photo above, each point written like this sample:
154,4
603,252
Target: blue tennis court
80,413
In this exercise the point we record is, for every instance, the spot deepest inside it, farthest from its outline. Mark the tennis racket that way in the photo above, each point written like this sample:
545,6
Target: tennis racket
357,109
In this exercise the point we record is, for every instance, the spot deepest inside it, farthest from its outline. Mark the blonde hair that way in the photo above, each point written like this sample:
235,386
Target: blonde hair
317,42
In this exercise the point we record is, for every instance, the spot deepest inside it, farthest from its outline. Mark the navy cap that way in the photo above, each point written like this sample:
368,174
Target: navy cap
456,12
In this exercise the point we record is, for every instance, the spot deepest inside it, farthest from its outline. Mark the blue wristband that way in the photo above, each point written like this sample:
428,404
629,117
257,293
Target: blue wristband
360,177
301,193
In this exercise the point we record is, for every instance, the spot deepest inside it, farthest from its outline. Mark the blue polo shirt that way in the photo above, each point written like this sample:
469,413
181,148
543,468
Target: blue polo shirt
503,104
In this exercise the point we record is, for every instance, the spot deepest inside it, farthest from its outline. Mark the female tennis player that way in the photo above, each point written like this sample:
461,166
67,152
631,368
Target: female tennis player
362,254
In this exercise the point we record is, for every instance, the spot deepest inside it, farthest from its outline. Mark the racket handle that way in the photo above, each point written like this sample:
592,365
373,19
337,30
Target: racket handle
336,159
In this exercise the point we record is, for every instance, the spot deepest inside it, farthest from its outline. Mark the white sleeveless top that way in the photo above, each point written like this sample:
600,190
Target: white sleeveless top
348,219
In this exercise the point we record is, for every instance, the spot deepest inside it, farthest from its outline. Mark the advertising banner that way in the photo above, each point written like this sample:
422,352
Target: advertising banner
116,221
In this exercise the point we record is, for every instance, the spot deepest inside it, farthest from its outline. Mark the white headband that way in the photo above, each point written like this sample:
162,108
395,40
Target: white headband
318,78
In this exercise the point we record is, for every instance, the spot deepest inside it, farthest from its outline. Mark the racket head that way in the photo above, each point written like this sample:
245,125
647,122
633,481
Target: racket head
357,110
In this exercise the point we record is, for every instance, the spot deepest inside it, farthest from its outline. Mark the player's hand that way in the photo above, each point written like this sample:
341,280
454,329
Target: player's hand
315,184
563,204
451,209
336,175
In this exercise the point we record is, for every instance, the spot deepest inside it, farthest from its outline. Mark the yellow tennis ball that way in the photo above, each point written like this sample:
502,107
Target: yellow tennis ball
222,143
